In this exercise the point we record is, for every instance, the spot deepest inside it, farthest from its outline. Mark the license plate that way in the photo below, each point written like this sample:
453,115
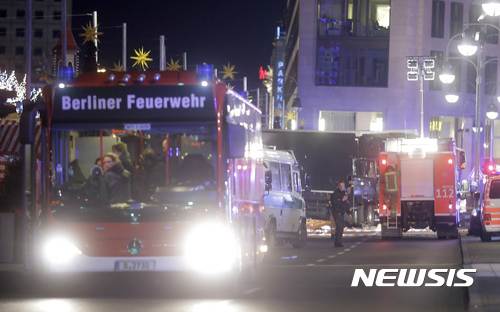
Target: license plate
134,266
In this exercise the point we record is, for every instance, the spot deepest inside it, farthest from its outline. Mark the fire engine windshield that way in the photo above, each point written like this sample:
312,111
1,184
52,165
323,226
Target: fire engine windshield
133,175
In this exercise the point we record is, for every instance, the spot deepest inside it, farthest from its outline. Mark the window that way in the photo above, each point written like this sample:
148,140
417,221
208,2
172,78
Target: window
57,15
38,52
456,68
456,18
490,76
353,43
346,63
38,15
296,182
19,50
20,14
338,121
354,18
56,33
286,177
38,33
437,19
495,190
276,176
3,50
19,32
3,31
436,84
3,13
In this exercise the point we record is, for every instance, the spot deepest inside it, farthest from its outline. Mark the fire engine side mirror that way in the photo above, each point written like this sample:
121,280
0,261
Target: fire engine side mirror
461,159
307,179
268,179
236,141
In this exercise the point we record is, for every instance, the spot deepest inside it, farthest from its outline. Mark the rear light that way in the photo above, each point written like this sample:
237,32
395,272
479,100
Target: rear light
487,217
450,161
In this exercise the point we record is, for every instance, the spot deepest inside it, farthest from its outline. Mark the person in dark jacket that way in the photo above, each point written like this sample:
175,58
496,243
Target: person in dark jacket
121,150
155,172
339,207
117,179
95,185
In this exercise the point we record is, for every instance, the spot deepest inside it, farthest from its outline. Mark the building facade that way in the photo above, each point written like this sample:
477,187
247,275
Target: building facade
347,62
46,30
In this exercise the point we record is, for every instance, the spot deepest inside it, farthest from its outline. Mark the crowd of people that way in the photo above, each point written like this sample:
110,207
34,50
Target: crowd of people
115,179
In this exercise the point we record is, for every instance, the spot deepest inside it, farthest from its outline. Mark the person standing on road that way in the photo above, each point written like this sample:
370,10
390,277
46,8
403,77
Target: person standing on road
340,206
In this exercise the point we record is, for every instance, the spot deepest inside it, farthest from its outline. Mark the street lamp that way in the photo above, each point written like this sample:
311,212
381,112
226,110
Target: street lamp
492,111
296,106
472,43
492,8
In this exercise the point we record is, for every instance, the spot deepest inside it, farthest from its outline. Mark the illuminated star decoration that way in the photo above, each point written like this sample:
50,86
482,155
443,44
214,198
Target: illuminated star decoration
173,65
228,71
117,67
290,115
90,33
229,86
141,58
302,122
277,112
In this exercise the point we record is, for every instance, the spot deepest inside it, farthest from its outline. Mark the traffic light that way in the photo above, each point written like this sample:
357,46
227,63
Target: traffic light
5,110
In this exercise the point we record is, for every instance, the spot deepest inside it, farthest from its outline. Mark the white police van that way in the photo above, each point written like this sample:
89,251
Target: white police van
285,209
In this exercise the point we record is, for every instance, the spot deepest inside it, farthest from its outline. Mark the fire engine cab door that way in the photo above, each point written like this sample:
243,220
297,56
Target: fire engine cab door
417,178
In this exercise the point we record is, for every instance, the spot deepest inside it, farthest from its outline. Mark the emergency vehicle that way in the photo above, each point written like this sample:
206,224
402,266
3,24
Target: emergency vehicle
284,206
490,209
418,181
204,215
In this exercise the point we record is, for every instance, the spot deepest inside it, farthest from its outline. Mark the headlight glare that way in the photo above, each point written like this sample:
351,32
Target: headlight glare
211,248
59,250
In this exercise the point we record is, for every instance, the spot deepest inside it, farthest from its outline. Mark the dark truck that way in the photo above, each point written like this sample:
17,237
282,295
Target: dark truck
329,157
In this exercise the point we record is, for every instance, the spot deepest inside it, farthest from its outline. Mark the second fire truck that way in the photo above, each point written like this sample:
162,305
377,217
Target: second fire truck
418,182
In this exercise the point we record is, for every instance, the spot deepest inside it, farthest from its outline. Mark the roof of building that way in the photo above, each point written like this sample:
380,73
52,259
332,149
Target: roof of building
70,41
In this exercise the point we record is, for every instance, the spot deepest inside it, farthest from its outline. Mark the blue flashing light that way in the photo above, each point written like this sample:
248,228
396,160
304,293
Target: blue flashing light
66,74
205,72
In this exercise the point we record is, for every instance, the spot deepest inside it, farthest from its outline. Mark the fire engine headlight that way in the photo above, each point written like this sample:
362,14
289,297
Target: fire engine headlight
59,250
211,248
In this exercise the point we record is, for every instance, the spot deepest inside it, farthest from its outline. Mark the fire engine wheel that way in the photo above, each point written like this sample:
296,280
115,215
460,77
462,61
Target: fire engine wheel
485,236
271,236
301,237
369,216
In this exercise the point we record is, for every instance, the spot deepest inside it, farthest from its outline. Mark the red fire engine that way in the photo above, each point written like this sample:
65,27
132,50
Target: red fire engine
418,186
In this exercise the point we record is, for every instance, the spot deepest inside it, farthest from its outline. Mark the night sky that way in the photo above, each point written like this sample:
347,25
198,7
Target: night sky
211,31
